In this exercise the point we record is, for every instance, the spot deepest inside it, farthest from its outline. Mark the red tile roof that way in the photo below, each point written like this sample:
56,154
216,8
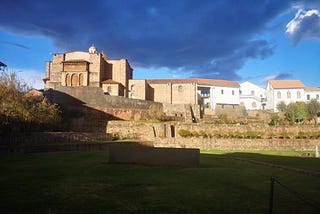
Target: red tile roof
222,83
34,93
312,88
286,84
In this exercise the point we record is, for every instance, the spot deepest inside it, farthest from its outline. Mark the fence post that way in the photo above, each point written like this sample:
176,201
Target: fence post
272,180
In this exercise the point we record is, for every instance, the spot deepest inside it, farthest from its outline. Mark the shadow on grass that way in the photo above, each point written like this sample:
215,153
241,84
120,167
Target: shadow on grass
83,182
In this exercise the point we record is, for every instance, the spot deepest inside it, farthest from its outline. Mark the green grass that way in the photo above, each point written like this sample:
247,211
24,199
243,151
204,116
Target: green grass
76,182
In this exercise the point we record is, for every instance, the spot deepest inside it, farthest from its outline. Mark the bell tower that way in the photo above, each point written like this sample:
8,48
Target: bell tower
93,49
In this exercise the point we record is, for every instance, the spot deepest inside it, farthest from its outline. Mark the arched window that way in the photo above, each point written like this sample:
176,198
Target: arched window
68,80
308,97
298,94
180,88
80,79
279,95
252,92
133,87
288,95
74,80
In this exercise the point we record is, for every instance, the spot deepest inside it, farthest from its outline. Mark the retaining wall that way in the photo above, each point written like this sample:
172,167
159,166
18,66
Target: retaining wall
166,135
238,144
93,97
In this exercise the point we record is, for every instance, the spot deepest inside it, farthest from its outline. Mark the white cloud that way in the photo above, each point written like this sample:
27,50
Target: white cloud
278,75
270,77
305,24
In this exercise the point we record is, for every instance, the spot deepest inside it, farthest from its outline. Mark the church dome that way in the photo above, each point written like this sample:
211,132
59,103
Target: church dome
93,49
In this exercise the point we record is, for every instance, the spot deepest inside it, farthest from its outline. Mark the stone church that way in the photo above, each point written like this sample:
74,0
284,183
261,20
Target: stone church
93,69
90,68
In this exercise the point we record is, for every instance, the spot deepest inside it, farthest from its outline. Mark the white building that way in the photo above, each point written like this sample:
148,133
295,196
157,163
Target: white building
218,93
253,97
284,90
312,93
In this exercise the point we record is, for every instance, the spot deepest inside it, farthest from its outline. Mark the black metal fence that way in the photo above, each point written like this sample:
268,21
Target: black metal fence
314,205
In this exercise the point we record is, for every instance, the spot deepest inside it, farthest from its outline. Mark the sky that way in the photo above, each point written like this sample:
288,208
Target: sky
239,40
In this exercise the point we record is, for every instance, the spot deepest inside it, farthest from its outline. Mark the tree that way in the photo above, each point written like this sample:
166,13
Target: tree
313,108
20,113
274,119
281,106
296,112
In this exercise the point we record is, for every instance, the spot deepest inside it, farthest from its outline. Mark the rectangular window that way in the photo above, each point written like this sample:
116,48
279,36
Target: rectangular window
222,91
298,94
288,95
232,92
279,95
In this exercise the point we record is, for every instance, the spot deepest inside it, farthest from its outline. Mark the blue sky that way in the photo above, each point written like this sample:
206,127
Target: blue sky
228,39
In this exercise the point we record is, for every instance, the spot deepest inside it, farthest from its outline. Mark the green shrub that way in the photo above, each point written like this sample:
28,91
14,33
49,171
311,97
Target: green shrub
285,135
203,134
302,135
238,135
223,118
194,134
271,135
184,133
275,119
254,135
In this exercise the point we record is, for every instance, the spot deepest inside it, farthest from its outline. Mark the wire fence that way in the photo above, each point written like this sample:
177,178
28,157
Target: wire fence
311,203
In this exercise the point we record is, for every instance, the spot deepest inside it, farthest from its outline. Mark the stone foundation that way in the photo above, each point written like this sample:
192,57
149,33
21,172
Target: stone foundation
137,154
239,144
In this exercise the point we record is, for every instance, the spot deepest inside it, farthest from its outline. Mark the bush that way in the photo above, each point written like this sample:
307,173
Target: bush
271,135
302,135
274,119
223,118
285,135
23,112
194,134
254,135
203,134
184,133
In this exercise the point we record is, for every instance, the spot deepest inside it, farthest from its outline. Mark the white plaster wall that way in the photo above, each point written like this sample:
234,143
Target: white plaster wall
226,98
312,95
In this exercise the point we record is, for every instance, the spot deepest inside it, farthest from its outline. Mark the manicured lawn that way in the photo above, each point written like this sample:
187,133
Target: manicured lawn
78,182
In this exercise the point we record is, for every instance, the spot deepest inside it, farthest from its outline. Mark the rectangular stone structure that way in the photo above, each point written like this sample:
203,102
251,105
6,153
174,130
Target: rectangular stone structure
156,156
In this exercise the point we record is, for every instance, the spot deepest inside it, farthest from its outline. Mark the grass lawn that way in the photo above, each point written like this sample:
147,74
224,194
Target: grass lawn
79,182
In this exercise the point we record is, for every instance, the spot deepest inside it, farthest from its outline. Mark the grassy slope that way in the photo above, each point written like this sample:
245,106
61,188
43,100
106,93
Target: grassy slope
86,183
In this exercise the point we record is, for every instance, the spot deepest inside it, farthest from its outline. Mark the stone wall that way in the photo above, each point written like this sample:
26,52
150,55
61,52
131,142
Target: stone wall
133,153
93,97
137,130
119,107
166,135
42,138
182,111
238,144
